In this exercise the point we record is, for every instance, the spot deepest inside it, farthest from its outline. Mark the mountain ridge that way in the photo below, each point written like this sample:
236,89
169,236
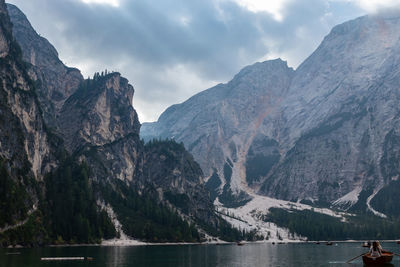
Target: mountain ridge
304,148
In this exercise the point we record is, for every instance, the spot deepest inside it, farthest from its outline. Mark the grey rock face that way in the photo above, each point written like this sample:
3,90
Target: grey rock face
99,123
23,135
340,108
219,125
26,151
99,113
316,133
55,82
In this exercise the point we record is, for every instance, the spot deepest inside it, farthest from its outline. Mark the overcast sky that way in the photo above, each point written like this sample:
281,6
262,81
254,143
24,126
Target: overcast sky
172,49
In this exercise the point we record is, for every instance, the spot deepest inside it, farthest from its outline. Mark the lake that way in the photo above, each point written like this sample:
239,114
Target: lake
304,254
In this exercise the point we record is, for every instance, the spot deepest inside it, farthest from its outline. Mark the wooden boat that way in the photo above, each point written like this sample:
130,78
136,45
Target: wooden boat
240,243
63,259
386,257
329,243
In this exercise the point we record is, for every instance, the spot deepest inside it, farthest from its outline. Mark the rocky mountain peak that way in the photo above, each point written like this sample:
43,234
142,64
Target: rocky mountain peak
360,46
269,67
219,124
339,110
351,60
259,79
120,86
99,112
37,50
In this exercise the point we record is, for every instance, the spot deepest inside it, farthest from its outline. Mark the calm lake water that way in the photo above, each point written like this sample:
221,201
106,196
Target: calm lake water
196,255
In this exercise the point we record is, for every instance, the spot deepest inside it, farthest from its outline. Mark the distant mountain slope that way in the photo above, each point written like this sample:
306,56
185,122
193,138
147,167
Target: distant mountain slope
219,125
325,133
341,112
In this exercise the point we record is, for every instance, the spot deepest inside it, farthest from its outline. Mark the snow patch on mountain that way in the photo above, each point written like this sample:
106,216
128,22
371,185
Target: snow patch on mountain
350,198
123,240
250,216
377,213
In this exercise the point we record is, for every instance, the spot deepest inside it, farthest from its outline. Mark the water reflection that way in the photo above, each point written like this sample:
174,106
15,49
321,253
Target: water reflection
117,256
254,255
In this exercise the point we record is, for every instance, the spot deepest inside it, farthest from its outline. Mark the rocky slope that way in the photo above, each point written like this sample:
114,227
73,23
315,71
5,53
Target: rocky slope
324,134
219,125
55,81
341,112
24,137
26,150
178,179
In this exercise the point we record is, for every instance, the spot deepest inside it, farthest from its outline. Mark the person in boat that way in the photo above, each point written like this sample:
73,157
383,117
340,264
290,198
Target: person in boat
375,250
381,249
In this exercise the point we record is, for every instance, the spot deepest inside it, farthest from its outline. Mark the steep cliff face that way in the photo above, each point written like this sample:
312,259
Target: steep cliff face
99,122
320,133
55,82
25,149
99,112
20,108
84,113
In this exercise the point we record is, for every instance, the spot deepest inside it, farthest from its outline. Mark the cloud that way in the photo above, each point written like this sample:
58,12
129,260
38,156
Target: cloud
170,50
374,6
275,8
114,3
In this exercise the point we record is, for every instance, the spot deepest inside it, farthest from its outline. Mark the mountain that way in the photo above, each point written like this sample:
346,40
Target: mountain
72,166
341,139
219,126
325,134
